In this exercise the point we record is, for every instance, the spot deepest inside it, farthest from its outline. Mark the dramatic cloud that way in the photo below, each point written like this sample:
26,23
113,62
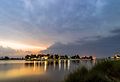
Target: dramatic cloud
7,51
101,47
45,22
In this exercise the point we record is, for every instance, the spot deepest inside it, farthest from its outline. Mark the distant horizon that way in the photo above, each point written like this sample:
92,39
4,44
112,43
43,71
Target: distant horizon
54,54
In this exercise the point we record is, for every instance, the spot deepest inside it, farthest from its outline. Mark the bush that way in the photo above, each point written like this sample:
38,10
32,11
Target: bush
78,75
107,71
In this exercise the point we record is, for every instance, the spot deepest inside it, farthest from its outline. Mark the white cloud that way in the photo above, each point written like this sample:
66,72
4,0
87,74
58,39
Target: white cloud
28,4
100,5
6,51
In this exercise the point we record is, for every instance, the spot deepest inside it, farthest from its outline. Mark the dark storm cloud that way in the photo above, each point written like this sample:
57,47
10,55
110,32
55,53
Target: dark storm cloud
116,31
101,47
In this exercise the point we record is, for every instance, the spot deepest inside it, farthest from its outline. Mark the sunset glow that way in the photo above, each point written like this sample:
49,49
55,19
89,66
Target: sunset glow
14,73
18,46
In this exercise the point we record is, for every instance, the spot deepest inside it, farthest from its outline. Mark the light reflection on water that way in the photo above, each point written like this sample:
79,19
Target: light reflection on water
39,71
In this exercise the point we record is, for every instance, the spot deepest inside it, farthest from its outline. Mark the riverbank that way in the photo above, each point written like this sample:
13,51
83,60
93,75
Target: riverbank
106,71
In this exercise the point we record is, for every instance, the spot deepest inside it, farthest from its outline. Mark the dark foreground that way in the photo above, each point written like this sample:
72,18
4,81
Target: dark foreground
106,71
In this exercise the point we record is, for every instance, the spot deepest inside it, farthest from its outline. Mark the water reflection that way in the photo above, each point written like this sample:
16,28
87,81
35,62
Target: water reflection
56,64
60,64
40,68
20,72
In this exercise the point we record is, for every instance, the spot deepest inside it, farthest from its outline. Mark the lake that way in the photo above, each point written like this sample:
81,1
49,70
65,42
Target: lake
39,71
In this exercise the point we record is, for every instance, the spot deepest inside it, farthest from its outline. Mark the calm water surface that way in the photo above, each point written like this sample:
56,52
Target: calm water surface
39,71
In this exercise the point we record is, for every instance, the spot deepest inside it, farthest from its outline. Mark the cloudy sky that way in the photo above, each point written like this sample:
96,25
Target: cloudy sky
85,26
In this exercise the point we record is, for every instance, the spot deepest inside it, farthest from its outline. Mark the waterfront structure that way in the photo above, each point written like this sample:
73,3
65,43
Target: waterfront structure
116,55
40,57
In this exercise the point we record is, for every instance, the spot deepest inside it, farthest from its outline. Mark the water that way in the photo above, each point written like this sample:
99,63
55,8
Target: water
39,71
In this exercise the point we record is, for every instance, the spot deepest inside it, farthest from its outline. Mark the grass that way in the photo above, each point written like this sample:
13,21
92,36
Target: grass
107,71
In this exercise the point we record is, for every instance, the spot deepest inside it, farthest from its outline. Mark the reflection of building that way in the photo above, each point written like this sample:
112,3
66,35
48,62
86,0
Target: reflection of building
52,64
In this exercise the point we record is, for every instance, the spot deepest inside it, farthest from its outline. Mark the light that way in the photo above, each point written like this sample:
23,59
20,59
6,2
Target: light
18,46
44,57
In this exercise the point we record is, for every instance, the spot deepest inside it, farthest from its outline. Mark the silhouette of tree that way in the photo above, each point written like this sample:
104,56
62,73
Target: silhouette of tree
6,58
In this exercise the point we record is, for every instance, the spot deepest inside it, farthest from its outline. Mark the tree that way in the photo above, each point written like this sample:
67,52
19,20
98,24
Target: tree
56,56
6,58
33,56
66,57
27,56
91,57
51,57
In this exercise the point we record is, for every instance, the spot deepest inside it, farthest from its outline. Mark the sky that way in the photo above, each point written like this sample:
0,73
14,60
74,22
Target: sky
56,26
